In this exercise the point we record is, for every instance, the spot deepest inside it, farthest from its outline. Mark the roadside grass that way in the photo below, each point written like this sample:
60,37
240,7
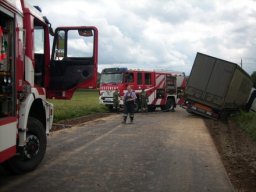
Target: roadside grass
84,102
247,121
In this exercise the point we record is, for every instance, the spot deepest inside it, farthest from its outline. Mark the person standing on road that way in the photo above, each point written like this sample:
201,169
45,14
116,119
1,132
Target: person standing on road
144,101
116,100
129,102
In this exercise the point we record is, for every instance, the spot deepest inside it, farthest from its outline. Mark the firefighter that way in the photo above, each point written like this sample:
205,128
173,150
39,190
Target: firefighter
116,100
144,101
129,102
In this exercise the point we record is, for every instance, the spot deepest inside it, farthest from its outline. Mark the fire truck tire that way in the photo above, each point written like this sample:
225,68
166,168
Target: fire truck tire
32,154
169,105
151,108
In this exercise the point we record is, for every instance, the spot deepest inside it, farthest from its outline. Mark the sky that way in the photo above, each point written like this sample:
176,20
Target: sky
162,34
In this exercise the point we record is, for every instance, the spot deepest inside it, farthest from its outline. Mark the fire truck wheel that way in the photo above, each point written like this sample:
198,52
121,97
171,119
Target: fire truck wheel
32,154
151,108
169,105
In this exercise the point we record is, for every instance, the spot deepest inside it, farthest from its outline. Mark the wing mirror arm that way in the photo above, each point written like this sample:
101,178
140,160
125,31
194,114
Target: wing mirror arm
49,25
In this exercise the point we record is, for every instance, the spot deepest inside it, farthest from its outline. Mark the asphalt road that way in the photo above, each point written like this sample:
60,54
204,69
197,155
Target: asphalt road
161,151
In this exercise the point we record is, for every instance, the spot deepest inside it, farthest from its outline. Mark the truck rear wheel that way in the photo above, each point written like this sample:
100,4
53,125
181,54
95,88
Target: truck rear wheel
32,154
151,108
169,105
224,115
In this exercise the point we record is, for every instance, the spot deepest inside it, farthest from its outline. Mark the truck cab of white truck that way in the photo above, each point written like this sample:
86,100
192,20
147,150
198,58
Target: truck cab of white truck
29,75
251,103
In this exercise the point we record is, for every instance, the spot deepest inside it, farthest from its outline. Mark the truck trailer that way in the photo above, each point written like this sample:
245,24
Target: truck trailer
216,87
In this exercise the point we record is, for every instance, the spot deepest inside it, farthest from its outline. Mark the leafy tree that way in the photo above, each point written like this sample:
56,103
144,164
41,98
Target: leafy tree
253,75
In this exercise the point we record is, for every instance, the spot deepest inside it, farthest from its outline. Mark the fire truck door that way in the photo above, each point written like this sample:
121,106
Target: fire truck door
73,61
8,119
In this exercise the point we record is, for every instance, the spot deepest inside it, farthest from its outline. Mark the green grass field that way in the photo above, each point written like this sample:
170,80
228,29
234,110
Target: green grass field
247,121
84,102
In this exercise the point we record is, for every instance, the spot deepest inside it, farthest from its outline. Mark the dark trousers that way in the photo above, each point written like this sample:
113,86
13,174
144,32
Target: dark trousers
116,105
129,110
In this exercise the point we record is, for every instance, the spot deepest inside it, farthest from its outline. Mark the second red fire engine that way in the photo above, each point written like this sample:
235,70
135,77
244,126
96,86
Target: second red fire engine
163,88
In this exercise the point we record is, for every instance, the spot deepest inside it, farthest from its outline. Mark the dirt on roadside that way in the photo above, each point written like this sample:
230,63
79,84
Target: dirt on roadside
75,121
238,153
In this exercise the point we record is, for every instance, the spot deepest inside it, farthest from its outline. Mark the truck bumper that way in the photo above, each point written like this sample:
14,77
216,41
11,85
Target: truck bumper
200,109
106,100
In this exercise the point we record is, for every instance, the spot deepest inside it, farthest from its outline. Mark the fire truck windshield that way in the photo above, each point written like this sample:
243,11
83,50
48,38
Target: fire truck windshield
114,78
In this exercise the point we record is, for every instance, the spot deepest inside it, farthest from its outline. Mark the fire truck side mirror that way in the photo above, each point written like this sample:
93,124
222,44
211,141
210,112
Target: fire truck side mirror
85,32
49,25
51,31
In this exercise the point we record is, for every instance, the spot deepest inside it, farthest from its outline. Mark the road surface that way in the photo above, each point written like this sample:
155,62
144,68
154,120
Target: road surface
159,152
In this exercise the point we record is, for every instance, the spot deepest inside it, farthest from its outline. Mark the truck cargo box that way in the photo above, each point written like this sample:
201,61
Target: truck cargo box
217,83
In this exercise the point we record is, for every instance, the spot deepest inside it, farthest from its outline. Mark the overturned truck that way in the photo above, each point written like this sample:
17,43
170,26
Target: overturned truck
216,87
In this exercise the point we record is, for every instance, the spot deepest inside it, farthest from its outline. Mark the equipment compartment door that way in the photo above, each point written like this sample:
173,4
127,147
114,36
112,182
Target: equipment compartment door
73,61
8,119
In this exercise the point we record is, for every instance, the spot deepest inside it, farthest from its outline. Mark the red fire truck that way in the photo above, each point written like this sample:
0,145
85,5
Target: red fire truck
163,88
29,75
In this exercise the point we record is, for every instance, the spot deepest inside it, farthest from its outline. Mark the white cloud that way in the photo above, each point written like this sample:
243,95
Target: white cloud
78,47
164,34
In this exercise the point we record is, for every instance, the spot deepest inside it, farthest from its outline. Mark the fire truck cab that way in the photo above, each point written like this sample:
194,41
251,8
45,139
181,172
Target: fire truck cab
29,74
162,88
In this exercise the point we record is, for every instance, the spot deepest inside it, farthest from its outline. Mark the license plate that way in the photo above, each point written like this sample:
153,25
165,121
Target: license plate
108,99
